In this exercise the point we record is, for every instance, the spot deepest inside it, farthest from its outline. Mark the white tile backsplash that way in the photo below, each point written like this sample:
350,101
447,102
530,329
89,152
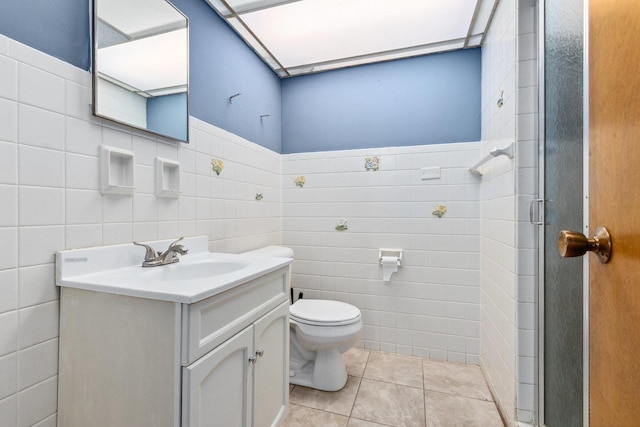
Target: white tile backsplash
37,245
41,206
83,207
115,233
81,236
116,208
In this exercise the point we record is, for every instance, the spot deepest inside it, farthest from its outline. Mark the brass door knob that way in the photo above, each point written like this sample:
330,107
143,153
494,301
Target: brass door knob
573,243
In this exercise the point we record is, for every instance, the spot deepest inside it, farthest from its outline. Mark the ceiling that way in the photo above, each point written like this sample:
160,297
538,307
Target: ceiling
297,37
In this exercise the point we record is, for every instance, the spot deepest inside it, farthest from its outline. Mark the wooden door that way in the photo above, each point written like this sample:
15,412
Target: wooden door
614,191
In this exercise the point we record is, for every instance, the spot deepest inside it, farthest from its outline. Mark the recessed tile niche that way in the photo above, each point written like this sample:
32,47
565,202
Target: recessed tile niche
117,171
167,178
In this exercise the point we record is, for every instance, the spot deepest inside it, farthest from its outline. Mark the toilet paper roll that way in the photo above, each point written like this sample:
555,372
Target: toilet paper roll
389,266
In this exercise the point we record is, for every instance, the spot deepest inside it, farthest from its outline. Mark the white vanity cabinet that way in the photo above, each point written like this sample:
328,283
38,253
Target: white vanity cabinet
219,388
134,362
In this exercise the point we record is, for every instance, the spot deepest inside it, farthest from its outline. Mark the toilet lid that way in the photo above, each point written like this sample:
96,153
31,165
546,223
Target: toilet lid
324,312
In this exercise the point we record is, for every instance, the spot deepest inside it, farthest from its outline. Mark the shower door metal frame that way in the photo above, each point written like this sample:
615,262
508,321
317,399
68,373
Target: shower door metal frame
585,209
540,4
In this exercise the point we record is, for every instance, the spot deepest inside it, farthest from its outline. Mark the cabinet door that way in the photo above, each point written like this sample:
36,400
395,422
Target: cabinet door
217,389
271,384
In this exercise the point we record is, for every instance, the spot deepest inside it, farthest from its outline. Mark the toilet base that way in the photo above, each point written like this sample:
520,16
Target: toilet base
327,372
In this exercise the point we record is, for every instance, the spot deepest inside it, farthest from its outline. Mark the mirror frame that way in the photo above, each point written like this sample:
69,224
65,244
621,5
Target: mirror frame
94,76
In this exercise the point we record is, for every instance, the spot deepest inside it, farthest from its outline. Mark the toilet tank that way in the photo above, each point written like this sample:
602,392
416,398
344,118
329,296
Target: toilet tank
273,250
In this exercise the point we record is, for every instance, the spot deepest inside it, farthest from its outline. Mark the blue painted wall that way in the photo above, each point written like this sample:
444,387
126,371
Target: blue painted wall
168,115
431,99
59,28
222,65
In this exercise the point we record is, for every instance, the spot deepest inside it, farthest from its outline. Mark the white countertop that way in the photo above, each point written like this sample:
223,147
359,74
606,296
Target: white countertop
117,269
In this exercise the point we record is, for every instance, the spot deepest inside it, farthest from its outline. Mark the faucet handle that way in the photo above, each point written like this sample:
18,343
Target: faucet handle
174,243
150,254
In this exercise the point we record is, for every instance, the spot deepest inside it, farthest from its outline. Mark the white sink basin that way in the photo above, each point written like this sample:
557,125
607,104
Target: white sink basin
199,274
190,271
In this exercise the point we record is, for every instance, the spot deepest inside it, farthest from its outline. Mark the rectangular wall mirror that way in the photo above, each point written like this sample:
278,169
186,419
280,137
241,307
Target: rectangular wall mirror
141,65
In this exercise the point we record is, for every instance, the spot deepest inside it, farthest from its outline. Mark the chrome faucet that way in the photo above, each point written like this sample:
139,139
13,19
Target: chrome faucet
153,259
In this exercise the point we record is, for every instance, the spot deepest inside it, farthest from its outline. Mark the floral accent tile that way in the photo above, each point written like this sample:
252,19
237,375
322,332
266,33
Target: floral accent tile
372,163
440,210
217,165
259,195
300,181
342,225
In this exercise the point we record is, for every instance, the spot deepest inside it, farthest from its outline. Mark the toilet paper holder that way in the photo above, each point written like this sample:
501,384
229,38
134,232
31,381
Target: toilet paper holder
396,253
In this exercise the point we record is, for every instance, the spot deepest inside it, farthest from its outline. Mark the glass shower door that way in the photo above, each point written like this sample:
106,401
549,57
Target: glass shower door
563,195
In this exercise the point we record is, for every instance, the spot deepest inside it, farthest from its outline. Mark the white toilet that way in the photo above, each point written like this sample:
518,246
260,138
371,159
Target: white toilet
321,331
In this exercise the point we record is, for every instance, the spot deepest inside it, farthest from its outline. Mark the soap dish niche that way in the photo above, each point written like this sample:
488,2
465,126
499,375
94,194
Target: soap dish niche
116,171
167,178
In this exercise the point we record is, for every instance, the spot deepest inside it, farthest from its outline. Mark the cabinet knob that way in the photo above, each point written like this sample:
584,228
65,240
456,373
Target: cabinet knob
260,353
253,359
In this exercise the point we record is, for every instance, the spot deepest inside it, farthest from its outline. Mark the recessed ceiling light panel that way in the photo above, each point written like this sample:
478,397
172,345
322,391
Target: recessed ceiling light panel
316,31
326,34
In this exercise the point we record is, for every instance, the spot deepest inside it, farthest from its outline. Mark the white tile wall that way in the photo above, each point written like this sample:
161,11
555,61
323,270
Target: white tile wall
526,190
498,246
50,200
431,306
508,282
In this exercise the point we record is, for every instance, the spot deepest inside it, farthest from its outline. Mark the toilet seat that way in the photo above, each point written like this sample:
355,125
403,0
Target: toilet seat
318,312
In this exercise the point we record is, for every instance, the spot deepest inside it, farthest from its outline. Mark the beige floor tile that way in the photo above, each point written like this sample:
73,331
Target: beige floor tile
354,422
301,416
394,368
356,360
386,390
457,379
446,410
390,404
338,402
